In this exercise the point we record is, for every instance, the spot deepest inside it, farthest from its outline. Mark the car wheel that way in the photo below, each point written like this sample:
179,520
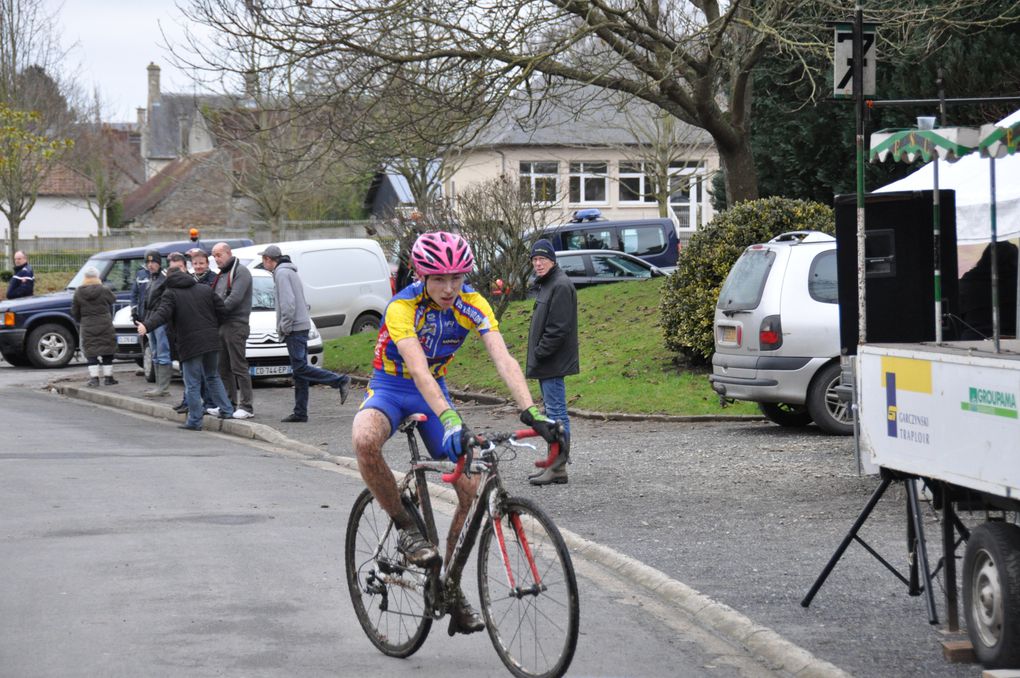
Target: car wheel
16,359
148,365
50,345
823,402
366,322
785,414
991,593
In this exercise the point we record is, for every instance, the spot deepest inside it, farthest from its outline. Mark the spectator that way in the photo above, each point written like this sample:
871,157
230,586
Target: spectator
552,348
976,293
145,295
194,312
91,307
233,285
293,323
200,271
22,283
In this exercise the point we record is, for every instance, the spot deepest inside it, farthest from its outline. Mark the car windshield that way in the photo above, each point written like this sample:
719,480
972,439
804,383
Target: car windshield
262,294
619,267
102,264
744,285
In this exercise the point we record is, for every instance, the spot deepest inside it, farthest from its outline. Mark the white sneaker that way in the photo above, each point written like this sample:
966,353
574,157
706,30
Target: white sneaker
213,411
240,413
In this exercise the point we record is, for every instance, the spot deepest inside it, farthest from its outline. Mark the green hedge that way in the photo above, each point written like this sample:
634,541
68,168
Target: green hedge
689,296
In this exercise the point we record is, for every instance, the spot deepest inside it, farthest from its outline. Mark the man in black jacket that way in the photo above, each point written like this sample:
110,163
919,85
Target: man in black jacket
194,313
552,348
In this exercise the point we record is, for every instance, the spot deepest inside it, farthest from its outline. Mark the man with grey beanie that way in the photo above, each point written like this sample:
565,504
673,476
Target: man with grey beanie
145,296
552,348
293,324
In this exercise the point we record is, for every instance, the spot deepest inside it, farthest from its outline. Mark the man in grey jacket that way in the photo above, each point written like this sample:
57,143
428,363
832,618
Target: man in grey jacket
552,348
233,285
293,323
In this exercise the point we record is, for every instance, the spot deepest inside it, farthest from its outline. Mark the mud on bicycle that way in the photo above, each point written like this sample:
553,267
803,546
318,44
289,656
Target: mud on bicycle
526,583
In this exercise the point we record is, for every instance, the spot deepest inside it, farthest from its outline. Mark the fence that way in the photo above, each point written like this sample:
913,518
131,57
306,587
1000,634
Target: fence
69,254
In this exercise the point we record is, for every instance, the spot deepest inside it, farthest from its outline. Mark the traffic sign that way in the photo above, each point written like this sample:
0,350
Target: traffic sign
843,60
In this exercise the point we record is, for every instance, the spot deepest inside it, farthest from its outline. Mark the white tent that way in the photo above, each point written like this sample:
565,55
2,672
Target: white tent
969,177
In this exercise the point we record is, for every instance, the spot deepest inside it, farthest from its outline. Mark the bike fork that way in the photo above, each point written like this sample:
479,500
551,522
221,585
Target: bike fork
522,539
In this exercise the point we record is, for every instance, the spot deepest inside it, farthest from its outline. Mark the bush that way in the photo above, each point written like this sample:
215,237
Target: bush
689,296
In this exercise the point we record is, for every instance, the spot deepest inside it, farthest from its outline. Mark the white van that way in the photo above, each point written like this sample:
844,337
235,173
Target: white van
346,280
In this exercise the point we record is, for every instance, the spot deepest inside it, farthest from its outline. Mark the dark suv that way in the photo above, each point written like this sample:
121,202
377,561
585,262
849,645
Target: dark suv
39,331
654,240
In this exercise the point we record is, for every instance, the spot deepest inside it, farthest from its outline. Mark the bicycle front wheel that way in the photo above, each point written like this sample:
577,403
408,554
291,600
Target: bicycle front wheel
388,593
529,599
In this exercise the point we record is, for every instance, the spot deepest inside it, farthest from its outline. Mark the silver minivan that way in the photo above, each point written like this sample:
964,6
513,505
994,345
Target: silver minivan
777,332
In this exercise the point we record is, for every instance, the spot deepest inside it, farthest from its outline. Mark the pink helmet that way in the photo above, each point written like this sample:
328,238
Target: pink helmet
441,253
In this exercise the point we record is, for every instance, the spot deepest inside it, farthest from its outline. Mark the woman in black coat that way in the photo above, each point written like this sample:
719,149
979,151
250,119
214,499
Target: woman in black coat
91,307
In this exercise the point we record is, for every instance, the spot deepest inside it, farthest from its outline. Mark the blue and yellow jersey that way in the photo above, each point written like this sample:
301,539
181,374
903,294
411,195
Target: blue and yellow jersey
411,313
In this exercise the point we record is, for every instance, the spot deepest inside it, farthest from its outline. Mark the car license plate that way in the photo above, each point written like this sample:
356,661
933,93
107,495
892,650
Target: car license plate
269,370
127,338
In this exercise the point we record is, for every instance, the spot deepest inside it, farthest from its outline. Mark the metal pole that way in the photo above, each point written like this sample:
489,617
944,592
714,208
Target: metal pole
936,229
996,329
858,66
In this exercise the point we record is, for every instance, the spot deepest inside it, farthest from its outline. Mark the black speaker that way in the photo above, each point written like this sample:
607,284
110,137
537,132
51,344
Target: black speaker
899,266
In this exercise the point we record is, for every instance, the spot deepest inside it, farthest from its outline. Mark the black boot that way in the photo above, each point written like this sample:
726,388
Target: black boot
93,382
109,381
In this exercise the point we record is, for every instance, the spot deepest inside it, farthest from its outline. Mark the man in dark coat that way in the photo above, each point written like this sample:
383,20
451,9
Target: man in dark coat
91,307
145,294
22,283
233,284
194,313
552,348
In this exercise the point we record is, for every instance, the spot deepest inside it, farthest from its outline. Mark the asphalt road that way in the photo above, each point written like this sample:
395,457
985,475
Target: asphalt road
130,548
745,512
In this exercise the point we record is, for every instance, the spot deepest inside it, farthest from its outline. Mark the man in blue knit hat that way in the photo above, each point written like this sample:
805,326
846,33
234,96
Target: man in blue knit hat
552,348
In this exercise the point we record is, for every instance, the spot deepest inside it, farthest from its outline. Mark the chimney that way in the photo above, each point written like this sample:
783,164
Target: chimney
154,94
141,117
182,127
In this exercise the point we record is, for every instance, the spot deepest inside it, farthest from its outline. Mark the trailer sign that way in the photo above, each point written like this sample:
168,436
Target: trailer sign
941,413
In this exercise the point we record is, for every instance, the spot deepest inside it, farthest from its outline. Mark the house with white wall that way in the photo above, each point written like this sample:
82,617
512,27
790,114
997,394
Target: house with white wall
580,149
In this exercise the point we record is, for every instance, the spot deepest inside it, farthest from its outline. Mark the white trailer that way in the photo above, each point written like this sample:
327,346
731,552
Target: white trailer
948,414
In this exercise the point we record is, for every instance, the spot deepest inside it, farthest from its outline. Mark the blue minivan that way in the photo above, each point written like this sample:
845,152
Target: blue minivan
654,240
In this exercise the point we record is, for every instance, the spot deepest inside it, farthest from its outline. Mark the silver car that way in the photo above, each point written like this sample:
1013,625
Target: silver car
777,332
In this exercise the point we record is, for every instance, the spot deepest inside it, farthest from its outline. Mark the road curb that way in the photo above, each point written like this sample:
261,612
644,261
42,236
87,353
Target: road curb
761,642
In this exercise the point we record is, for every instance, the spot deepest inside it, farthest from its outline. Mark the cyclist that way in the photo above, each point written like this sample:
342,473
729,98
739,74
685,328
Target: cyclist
424,325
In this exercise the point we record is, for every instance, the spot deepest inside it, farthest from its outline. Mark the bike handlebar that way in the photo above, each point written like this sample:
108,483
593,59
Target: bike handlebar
481,440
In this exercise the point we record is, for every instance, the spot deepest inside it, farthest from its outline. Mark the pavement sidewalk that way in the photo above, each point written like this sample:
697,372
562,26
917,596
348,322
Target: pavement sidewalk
326,437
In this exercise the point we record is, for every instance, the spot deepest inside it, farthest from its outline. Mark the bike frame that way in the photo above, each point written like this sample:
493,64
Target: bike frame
490,494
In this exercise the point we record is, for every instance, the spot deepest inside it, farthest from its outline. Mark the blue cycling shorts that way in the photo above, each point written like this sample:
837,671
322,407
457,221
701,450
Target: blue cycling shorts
398,398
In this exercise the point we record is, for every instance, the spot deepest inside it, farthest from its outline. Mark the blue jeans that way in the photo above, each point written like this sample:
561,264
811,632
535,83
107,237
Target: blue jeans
204,368
554,395
160,347
305,374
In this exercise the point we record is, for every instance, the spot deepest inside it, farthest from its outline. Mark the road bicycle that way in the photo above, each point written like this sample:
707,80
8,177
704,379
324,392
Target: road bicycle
526,583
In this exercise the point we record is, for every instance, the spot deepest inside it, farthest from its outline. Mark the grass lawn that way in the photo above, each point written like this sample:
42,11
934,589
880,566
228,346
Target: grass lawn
46,282
624,366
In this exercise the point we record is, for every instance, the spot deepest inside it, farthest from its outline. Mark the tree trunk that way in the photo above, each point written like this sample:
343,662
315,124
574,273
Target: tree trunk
15,227
275,227
738,167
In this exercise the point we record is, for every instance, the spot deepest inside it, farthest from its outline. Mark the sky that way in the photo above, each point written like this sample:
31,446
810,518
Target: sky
113,41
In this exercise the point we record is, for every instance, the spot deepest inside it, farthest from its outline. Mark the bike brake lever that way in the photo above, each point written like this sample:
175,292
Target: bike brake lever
516,443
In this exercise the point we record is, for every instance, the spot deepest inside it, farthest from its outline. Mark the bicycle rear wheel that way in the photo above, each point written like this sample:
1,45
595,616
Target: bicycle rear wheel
388,594
532,622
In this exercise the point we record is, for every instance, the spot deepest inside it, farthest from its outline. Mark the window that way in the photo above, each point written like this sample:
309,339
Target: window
685,192
587,182
598,239
573,266
122,274
822,278
262,293
744,285
635,185
610,266
539,181
643,240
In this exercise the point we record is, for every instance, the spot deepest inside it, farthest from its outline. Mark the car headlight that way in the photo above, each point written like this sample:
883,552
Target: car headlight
313,334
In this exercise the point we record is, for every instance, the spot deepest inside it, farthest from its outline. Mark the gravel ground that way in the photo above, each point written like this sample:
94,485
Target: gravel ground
747,513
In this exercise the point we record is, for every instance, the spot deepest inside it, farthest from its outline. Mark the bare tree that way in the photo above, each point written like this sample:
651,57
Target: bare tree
500,223
33,105
691,58
102,156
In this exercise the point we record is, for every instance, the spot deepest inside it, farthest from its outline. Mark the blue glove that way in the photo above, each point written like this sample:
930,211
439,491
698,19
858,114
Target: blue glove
455,434
550,430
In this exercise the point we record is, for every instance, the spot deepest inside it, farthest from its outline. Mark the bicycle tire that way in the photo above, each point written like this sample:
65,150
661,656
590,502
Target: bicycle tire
388,594
535,634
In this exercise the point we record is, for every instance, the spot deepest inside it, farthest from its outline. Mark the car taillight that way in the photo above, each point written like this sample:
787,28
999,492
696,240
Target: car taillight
770,335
